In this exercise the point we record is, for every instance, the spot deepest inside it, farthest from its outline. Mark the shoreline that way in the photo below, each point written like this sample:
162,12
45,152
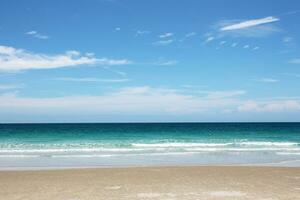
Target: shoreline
259,165
176,182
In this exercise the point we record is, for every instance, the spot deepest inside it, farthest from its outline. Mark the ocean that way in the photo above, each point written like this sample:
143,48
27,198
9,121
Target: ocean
28,146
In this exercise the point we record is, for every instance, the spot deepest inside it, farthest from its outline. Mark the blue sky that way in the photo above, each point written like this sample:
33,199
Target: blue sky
158,60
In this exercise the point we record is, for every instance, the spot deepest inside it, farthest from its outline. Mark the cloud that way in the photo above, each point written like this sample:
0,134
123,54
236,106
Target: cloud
287,39
267,80
295,61
37,35
209,39
272,106
188,35
91,79
117,29
129,100
141,32
234,44
249,23
9,86
140,101
166,35
191,34
246,46
222,42
167,63
12,59
163,42
223,94
249,28
292,75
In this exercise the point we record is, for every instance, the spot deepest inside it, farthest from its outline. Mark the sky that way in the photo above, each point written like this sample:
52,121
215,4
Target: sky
149,61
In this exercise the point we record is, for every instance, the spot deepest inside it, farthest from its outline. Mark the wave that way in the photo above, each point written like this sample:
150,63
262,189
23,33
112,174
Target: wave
261,143
166,145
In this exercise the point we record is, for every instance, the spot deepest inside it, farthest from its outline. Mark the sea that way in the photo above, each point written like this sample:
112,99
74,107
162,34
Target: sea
52,146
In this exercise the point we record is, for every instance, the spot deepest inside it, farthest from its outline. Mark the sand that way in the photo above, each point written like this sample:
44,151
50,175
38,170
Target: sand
163,183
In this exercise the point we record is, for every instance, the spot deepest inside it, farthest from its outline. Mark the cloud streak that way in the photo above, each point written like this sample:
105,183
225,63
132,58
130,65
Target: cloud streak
37,35
12,59
249,23
91,79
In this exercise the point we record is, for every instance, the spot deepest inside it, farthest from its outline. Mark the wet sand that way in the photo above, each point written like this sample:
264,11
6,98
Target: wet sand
163,183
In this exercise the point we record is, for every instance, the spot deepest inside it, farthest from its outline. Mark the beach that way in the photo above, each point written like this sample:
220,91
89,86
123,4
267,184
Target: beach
163,183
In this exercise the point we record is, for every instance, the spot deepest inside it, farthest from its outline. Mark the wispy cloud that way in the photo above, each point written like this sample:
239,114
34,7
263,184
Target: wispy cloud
37,35
249,23
12,59
222,42
129,100
141,32
141,100
9,86
234,44
223,94
166,35
163,42
188,35
209,39
287,39
91,79
167,63
245,28
267,80
292,75
270,106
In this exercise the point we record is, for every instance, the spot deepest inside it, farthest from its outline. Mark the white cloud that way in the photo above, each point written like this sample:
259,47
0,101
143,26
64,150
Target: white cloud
12,59
267,80
188,35
246,46
249,23
223,94
163,42
9,86
271,106
222,43
234,44
91,79
132,100
35,34
209,39
167,63
287,39
256,48
166,35
142,32
295,61
143,100
292,74
239,28
191,34
117,29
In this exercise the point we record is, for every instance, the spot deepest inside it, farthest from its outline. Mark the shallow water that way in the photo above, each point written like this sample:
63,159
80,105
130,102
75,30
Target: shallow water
142,144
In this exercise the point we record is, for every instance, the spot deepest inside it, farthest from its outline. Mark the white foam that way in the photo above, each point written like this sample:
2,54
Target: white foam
288,153
268,143
166,145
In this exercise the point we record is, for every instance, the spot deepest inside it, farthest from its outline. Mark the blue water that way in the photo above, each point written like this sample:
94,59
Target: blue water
144,144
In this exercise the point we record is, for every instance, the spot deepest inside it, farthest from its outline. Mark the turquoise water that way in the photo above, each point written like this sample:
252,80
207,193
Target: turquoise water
134,144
